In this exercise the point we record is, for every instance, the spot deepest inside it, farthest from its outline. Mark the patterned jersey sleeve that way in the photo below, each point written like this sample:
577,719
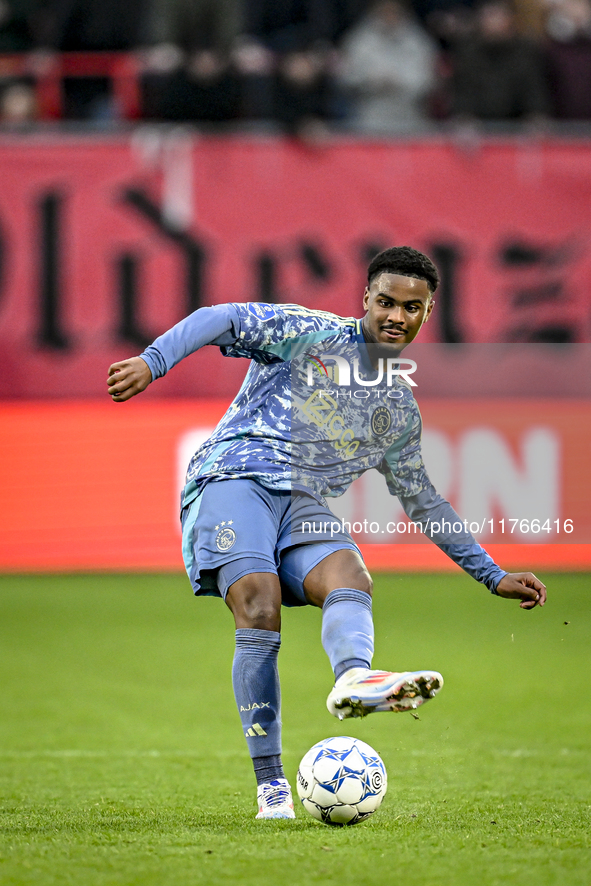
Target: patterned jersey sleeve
403,465
262,332
272,333
407,478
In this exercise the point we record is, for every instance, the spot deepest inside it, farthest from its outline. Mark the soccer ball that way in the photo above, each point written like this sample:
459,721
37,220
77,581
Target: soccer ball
341,780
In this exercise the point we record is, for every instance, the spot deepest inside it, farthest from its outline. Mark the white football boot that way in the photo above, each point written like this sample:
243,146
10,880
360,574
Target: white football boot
274,799
359,691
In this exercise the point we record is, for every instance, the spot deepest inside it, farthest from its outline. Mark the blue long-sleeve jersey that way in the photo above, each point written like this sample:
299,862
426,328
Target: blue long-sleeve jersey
314,412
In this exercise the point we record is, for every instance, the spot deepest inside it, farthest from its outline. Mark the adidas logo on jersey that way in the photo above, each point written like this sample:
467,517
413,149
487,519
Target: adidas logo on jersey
255,729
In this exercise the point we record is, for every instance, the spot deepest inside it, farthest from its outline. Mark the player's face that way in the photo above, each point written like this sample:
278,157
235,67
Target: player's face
396,309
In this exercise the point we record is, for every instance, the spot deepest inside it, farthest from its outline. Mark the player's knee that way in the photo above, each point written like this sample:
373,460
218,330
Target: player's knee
364,582
360,581
256,604
343,569
358,577
262,615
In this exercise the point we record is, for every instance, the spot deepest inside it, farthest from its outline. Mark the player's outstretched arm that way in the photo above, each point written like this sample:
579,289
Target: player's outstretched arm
522,586
128,378
430,510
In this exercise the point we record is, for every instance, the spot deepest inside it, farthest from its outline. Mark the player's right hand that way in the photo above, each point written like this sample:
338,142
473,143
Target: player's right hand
128,378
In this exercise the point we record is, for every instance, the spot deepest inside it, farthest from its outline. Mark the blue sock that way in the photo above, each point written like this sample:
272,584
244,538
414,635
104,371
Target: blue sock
267,769
256,688
347,630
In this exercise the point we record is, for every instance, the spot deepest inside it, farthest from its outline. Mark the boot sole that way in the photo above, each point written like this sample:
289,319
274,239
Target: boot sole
412,691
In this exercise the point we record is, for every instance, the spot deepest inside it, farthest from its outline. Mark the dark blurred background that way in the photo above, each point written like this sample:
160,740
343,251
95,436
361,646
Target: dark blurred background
300,66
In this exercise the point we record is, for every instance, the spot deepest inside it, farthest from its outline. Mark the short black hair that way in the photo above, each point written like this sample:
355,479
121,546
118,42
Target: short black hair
406,261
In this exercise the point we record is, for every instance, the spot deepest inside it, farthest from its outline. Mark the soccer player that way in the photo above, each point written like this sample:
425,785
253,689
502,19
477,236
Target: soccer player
311,416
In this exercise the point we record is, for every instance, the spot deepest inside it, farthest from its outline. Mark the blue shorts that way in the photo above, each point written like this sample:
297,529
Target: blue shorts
236,527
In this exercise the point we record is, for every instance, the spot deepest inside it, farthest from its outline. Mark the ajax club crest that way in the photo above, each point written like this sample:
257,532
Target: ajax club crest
226,536
381,421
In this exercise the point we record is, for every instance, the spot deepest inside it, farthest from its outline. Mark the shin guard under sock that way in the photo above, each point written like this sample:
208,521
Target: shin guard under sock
347,629
255,680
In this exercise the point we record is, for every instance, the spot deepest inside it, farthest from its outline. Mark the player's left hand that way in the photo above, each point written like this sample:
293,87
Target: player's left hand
522,586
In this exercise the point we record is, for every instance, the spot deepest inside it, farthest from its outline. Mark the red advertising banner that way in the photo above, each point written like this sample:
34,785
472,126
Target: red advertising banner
91,486
105,242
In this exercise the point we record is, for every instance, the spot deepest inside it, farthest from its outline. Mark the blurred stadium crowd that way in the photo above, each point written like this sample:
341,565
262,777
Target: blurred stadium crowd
307,67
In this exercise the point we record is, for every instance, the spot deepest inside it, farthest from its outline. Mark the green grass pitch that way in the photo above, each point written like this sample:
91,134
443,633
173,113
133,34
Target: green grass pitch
122,759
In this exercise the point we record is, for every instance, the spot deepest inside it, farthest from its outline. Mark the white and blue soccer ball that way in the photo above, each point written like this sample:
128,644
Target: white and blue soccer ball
341,780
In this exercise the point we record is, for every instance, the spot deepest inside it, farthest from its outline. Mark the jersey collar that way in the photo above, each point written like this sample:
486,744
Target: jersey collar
362,346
